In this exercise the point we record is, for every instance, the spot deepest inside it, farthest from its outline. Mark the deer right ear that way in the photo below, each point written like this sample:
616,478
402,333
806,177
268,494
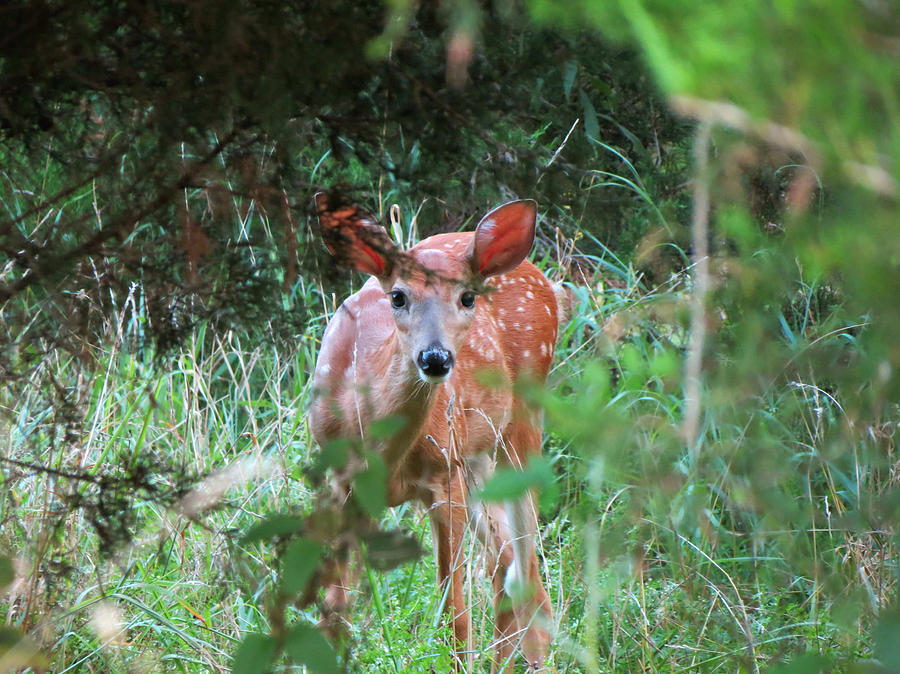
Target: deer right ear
354,237
503,238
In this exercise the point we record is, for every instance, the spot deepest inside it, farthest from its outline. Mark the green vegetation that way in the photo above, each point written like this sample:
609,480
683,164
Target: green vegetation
721,487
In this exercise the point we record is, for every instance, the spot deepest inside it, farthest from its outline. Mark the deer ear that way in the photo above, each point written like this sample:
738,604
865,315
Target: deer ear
354,237
503,238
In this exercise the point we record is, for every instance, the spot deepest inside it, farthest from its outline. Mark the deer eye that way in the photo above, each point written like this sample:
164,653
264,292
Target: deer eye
398,299
467,299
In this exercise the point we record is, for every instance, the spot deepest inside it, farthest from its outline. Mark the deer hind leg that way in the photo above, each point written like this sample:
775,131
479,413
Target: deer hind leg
516,573
449,518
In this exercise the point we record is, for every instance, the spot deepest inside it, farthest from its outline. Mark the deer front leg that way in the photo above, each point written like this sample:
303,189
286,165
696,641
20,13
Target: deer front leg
449,518
343,576
341,569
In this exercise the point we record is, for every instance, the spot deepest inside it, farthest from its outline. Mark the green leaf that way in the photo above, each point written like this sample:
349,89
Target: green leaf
571,69
390,549
591,125
887,645
506,484
18,651
334,453
808,663
272,526
510,483
305,645
636,143
9,637
254,655
664,364
299,562
370,486
387,427
7,573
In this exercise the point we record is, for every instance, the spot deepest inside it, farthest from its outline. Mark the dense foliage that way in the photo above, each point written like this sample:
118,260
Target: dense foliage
718,188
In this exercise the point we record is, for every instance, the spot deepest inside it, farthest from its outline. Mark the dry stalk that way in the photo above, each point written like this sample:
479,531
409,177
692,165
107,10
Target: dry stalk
699,238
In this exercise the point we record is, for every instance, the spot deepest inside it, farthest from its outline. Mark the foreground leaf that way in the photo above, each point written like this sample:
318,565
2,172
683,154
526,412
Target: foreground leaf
299,563
254,655
272,526
17,651
7,573
369,487
389,549
305,645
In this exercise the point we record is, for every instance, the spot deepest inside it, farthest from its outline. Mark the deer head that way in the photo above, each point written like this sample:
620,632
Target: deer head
434,289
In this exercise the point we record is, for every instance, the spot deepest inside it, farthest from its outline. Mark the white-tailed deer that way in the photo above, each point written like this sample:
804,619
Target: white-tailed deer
416,341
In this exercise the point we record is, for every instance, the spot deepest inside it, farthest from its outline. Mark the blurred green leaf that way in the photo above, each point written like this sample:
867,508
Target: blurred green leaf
370,486
305,645
334,453
591,125
18,651
254,655
887,638
808,663
389,549
7,572
510,483
299,563
664,364
570,70
272,526
383,429
506,484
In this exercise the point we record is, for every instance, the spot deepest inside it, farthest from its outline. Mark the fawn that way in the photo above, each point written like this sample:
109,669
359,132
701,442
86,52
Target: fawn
415,342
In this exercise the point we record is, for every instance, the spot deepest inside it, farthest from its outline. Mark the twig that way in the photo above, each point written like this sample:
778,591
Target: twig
699,236
563,144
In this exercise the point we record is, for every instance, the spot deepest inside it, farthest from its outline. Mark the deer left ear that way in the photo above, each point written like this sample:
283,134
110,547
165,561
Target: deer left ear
503,238
354,238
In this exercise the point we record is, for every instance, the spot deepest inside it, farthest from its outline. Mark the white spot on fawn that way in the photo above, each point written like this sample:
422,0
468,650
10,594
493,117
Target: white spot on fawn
511,583
543,349
526,354
529,294
522,309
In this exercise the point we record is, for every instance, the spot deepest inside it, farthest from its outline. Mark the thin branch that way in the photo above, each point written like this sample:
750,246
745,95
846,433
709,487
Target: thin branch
119,229
700,238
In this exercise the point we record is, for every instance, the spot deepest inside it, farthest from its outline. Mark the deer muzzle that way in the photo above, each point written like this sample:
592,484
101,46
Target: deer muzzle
435,363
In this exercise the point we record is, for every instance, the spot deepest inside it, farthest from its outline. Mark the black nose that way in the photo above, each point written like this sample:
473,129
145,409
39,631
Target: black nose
435,361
